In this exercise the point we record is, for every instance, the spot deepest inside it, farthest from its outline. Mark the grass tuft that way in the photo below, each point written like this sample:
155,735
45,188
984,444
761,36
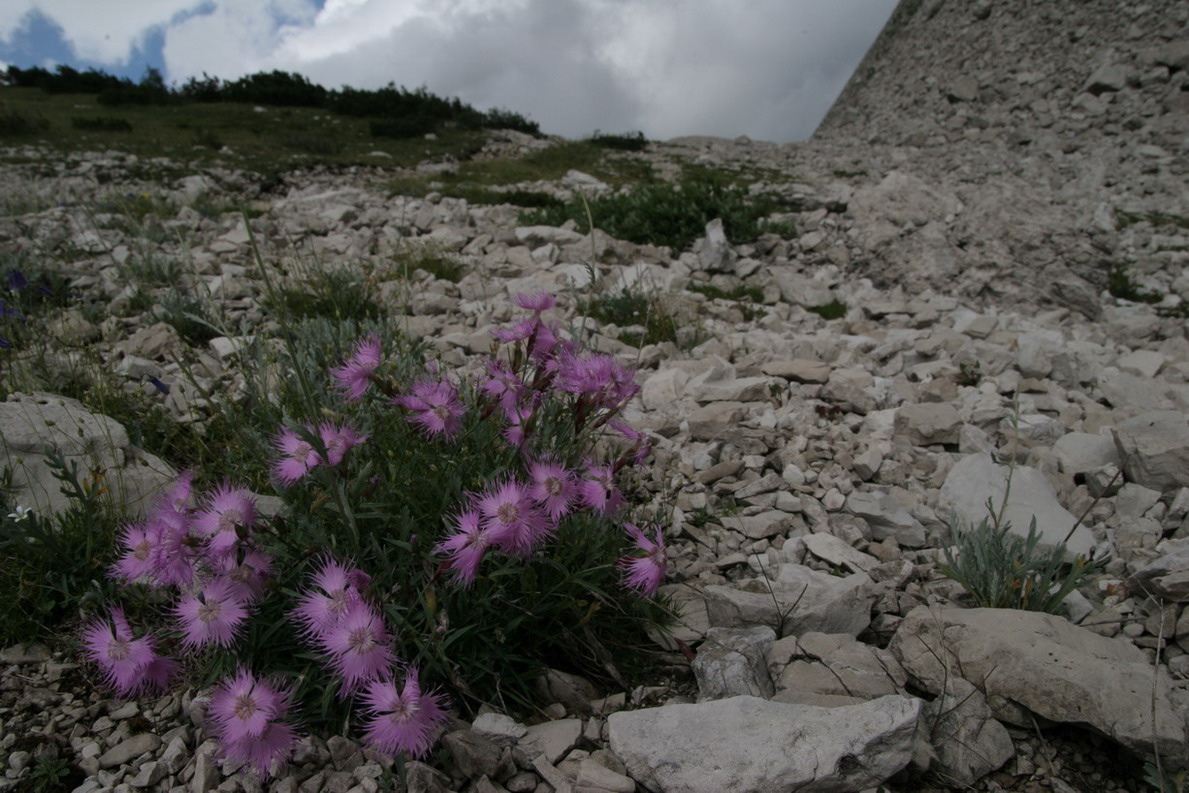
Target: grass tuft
835,309
633,309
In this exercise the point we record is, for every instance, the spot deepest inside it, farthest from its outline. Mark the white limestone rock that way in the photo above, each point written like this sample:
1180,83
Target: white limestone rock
733,662
1155,449
977,477
746,743
1045,664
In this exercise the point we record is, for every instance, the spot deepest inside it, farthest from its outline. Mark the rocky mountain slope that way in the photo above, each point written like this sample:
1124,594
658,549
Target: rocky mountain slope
1047,129
963,206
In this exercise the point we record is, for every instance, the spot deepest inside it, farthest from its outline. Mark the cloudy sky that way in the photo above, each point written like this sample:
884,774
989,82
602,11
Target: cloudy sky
764,68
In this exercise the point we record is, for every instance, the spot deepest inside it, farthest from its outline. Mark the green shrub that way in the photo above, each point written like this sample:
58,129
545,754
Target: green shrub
632,141
414,126
190,317
429,259
101,124
497,118
312,144
835,309
31,292
529,199
970,374
49,567
332,292
52,773
417,467
665,214
1155,219
740,293
1120,284
1165,781
14,123
208,139
782,228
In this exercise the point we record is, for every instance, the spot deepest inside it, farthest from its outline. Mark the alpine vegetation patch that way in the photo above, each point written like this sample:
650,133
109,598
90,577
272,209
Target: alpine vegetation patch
443,535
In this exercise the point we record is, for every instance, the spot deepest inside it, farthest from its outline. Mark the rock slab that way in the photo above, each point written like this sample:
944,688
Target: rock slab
750,744
1047,665
1155,449
977,477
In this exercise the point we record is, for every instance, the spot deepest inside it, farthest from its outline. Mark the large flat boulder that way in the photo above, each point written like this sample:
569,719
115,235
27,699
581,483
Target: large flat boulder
1028,661
1155,449
751,744
977,477
41,430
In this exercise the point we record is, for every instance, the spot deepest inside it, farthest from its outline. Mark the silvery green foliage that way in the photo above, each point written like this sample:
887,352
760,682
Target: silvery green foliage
1001,569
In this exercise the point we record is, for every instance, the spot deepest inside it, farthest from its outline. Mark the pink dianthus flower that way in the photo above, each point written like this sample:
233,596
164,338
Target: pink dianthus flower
335,588
554,487
226,512
136,563
354,376
645,573
601,379
436,407
502,384
246,717
513,522
177,498
536,302
297,457
407,720
175,551
129,665
338,438
598,491
358,646
465,547
247,572
213,615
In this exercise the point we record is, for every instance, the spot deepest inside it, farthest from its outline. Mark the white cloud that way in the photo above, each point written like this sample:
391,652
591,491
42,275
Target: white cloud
765,68
233,38
104,32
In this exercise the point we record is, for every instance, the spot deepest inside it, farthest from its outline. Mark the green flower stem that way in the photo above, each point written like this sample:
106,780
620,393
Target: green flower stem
307,390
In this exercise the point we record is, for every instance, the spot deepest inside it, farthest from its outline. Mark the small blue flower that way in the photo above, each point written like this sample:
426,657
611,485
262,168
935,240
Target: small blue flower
164,389
17,280
9,312
5,344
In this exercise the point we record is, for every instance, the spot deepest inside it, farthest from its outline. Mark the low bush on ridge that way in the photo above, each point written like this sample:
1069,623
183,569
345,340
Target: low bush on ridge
665,214
443,538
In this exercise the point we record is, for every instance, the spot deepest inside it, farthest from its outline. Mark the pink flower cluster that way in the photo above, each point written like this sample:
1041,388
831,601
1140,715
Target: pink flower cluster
516,517
204,547
350,635
516,514
206,551
598,385
542,365
435,406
